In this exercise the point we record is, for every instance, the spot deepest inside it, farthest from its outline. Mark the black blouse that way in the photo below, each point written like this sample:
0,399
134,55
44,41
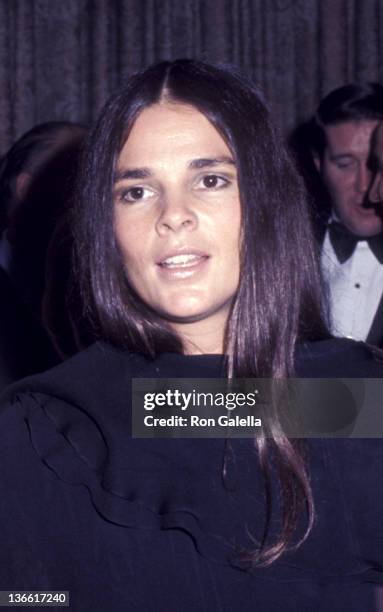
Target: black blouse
151,524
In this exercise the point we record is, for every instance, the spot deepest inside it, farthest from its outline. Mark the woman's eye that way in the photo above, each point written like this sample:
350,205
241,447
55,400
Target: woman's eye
136,194
212,181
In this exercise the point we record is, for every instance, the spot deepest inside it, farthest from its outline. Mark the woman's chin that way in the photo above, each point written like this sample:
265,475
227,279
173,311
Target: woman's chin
184,315
187,314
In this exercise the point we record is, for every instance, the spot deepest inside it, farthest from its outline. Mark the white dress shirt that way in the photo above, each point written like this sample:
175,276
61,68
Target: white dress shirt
355,289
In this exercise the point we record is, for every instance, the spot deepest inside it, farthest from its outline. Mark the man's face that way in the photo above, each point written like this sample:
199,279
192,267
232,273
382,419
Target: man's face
376,190
347,177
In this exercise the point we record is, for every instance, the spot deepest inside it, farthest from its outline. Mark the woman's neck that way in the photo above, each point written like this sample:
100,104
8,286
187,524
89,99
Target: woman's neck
201,337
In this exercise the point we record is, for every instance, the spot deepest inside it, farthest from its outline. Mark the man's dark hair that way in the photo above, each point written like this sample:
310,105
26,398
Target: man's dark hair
353,102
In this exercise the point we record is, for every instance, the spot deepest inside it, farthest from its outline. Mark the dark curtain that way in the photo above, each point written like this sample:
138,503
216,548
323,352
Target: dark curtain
60,59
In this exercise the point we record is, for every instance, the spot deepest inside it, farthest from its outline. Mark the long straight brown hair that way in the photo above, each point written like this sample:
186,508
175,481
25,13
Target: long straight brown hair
279,297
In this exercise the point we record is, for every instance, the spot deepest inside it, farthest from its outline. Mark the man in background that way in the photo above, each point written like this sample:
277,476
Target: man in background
342,132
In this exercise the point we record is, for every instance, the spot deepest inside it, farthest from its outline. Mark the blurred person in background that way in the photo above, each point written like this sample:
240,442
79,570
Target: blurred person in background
36,181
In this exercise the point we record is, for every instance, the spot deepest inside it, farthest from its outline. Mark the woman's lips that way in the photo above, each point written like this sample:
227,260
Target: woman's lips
182,265
184,260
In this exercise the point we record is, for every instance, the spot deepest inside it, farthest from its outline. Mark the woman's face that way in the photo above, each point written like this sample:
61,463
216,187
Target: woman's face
177,220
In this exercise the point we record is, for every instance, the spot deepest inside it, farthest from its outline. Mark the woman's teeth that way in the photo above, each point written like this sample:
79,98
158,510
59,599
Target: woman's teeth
181,260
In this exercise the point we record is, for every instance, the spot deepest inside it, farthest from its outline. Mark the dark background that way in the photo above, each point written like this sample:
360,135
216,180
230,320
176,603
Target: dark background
60,59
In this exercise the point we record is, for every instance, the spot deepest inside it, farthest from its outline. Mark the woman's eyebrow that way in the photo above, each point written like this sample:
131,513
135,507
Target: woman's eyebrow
132,173
194,164
208,162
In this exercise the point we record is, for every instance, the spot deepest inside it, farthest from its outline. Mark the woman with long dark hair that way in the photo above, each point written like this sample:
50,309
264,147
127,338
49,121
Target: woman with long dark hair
195,258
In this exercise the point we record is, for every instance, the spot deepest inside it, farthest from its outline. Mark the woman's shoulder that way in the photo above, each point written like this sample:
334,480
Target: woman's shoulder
82,376
39,409
103,371
338,358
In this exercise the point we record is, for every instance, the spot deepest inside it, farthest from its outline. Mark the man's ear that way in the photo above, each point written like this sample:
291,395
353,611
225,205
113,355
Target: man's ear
22,183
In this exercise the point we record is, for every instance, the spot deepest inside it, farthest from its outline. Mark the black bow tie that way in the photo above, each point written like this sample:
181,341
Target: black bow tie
344,242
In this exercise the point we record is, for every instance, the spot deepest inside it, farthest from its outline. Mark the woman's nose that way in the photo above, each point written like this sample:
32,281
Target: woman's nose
176,214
